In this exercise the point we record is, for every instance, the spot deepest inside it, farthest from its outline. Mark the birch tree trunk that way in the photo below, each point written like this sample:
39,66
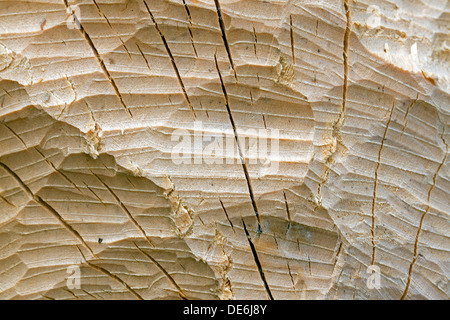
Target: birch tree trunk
224,149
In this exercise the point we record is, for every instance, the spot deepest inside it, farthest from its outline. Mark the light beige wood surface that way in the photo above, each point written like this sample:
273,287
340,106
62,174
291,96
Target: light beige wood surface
92,93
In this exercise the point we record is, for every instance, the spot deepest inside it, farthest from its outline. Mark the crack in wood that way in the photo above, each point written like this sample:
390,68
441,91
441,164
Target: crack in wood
191,35
419,230
124,209
374,198
46,206
172,59
167,274
292,39
241,154
226,214
100,61
224,36
257,261
111,275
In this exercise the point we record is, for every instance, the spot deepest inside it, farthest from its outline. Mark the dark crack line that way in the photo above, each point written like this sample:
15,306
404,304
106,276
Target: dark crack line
16,135
7,201
188,12
57,170
89,294
255,42
111,275
292,39
226,214
416,243
287,208
92,191
375,186
241,154
100,12
405,118
346,44
336,258
224,36
100,60
258,263
46,206
145,59
172,59
167,274
124,209
336,129
292,278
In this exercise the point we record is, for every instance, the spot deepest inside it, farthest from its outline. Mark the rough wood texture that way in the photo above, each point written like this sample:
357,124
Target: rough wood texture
91,93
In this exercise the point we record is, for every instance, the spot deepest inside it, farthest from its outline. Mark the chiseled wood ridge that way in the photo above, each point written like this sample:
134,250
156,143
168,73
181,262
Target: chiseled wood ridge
353,94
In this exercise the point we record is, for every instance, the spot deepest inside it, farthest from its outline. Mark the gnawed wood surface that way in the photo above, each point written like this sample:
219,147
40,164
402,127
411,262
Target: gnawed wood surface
91,93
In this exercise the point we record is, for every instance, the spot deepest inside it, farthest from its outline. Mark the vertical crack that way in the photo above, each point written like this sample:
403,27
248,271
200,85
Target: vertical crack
374,199
292,39
340,121
287,208
292,278
416,243
336,133
255,42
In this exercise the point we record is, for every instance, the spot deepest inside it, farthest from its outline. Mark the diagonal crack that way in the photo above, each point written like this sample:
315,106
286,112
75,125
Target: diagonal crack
15,134
188,12
226,214
416,243
287,208
111,275
241,154
100,12
7,201
224,36
124,209
46,206
172,59
100,60
145,59
257,261
405,118
167,274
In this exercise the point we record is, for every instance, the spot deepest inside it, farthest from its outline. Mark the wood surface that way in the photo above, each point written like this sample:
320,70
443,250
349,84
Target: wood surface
93,91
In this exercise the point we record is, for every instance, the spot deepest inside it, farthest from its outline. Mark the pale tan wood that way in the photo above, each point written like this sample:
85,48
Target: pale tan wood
91,93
